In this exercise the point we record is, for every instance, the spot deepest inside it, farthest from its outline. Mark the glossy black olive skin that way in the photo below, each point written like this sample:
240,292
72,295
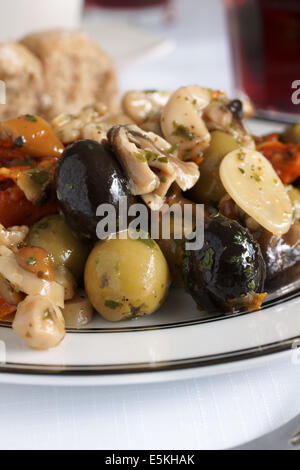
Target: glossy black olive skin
87,176
229,265
236,107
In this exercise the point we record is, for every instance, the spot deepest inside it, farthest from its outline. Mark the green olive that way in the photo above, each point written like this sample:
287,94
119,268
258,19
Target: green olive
292,134
126,278
53,234
294,195
209,188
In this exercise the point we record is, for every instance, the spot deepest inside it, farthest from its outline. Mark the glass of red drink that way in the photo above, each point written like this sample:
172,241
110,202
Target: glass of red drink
127,3
265,45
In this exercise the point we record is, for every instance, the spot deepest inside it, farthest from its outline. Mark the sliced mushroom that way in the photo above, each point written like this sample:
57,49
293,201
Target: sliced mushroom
65,278
182,123
224,115
145,108
13,236
97,130
27,282
68,127
149,164
39,322
193,112
93,122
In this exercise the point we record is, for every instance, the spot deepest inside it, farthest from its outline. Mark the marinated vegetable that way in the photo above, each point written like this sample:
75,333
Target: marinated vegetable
53,234
229,271
39,322
292,134
78,312
87,176
209,188
253,184
280,253
126,278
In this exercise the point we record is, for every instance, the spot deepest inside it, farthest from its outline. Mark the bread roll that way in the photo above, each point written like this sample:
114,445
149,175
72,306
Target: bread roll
76,72
21,72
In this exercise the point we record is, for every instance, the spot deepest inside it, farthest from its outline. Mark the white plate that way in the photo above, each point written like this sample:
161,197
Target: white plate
176,342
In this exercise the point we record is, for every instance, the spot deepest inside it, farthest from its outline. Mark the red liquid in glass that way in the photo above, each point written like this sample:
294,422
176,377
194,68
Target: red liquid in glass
127,3
265,40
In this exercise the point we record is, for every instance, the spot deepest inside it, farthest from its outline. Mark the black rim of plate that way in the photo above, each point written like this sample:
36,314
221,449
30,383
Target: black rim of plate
162,366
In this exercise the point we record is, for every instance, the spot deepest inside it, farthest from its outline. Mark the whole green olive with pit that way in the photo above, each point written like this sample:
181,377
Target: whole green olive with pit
229,271
126,278
209,188
87,176
53,234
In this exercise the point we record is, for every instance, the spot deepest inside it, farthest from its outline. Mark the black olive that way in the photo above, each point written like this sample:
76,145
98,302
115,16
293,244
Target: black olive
236,107
280,253
228,267
87,176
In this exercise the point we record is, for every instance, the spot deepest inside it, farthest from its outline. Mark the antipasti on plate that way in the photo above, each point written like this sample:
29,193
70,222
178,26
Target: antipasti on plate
159,148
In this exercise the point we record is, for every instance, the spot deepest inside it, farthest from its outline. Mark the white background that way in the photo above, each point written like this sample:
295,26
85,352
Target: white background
210,413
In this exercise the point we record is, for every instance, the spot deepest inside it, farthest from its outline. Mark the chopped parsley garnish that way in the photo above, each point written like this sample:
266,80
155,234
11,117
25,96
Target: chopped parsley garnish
242,171
140,157
31,118
172,149
182,131
251,285
31,261
47,315
40,177
112,304
208,259
150,91
163,160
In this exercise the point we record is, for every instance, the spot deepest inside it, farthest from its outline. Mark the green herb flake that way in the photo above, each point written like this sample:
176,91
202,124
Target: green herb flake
47,315
163,159
31,261
41,226
172,149
70,186
112,304
151,155
31,118
140,157
242,171
251,285
163,179
182,131
149,92
11,288
208,259
40,177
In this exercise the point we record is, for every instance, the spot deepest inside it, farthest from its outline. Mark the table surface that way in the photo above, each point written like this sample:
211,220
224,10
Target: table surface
212,413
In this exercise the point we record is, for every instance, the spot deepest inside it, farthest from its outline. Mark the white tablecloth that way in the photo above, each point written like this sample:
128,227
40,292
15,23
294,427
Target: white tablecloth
213,413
